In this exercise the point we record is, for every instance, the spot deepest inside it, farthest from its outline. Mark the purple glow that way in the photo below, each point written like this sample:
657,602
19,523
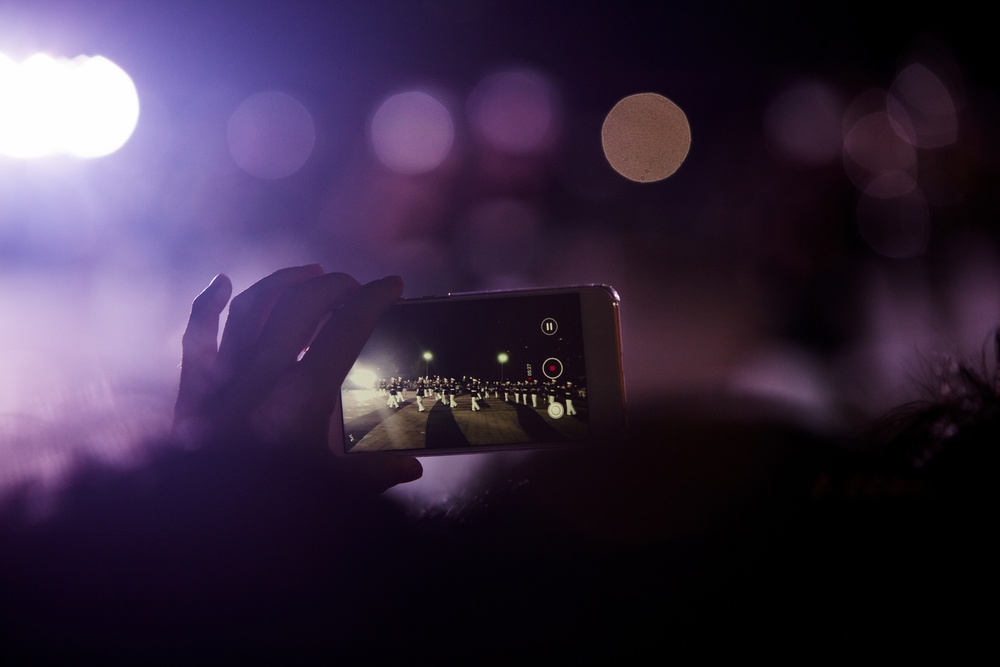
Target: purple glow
412,133
921,98
271,135
873,144
514,111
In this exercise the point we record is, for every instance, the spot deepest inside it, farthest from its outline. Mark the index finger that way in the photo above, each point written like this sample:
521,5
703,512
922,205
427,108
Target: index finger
199,343
250,310
338,344
294,320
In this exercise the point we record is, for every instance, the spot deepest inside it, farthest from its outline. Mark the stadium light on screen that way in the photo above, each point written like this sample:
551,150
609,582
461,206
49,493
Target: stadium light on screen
85,107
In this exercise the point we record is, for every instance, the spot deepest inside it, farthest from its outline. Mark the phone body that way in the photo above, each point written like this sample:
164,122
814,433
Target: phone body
487,371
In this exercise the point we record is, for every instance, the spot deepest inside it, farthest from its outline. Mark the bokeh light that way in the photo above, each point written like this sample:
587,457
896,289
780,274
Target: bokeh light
646,137
922,107
803,123
86,107
873,144
514,111
888,139
412,132
271,135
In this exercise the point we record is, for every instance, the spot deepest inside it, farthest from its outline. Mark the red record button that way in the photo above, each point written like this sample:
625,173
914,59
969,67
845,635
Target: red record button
552,368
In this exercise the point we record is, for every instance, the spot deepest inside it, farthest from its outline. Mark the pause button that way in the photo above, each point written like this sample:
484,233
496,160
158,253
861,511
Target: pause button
549,326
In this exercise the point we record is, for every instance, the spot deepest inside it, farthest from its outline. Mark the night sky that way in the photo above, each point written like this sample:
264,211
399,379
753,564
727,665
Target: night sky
465,338
763,261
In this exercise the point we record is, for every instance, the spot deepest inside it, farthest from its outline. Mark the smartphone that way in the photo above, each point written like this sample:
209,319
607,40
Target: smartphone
488,371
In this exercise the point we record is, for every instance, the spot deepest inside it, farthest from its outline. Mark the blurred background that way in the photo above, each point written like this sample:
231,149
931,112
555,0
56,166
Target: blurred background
829,238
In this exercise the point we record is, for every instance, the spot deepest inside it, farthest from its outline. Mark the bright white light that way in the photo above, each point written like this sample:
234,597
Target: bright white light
363,377
86,107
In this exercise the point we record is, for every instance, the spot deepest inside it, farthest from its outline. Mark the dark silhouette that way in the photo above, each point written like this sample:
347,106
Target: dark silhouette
709,530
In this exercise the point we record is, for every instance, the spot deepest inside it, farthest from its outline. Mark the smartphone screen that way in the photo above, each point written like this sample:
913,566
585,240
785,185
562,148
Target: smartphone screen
473,372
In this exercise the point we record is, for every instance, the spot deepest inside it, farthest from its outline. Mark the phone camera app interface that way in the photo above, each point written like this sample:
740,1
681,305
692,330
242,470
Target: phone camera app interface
470,373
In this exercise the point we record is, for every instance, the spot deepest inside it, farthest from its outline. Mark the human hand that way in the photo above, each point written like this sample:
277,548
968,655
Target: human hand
258,386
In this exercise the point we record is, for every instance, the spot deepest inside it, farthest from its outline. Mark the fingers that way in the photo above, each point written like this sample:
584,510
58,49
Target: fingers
198,345
266,369
339,343
295,318
251,309
252,385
